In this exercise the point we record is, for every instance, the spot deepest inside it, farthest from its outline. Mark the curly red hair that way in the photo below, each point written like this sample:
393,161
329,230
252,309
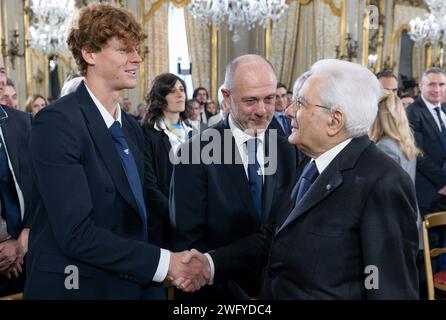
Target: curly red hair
96,25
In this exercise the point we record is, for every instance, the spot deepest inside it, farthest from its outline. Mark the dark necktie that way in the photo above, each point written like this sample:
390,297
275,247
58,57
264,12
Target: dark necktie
442,126
10,210
309,175
129,165
285,124
255,176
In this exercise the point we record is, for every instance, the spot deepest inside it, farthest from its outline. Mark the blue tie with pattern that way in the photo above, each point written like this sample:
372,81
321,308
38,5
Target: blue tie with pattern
309,175
130,169
255,176
9,204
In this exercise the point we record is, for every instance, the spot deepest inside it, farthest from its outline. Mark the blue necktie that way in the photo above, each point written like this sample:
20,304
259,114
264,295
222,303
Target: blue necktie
442,126
129,165
285,124
10,209
309,175
255,176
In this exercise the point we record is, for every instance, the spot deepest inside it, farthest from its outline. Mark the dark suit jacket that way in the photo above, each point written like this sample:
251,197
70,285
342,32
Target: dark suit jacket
274,124
211,205
16,131
89,217
356,214
430,176
158,171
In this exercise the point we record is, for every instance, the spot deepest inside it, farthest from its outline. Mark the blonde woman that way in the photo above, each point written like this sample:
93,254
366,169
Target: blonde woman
392,134
35,103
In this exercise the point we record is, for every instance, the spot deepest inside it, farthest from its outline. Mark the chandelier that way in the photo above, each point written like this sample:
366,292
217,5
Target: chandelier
237,12
432,29
49,24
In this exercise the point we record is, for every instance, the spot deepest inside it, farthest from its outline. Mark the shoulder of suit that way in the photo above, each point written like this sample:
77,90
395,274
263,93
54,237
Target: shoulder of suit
11,112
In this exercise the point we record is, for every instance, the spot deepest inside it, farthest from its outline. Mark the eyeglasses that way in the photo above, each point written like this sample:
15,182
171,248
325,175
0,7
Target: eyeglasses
301,102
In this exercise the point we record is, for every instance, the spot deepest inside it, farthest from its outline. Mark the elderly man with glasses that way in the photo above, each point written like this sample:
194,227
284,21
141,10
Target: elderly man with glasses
348,229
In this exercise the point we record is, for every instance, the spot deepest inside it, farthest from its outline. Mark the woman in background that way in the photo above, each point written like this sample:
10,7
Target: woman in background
164,131
35,103
392,134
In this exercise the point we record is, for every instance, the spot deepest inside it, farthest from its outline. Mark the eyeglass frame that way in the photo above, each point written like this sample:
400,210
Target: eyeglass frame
300,102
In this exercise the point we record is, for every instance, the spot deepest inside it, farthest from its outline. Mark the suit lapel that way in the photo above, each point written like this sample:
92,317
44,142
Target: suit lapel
105,145
236,173
10,132
329,180
269,183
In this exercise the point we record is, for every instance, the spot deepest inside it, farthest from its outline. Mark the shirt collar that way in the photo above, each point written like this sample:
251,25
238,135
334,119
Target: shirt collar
327,157
109,120
240,136
430,105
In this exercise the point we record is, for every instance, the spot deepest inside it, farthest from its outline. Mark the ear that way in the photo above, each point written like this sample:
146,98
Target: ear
226,97
88,56
336,123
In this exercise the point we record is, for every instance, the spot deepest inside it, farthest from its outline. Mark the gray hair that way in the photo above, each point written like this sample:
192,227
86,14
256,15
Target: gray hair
71,85
299,83
434,70
232,66
352,88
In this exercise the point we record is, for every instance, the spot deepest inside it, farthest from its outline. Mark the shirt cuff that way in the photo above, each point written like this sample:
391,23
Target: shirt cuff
211,264
163,266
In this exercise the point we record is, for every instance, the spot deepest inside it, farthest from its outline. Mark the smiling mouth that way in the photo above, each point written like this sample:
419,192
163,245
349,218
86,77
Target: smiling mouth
132,72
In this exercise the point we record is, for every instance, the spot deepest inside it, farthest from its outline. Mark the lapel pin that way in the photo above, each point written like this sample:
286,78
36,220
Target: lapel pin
126,151
328,187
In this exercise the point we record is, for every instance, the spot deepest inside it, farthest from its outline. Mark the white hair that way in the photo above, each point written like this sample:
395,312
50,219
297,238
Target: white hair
299,83
70,85
350,87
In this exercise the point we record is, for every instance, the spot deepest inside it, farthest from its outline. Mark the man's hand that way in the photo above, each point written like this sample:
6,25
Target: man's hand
189,270
10,252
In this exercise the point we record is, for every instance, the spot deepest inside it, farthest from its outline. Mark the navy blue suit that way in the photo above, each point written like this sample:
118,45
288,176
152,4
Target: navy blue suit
88,217
16,130
212,205
356,214
430,176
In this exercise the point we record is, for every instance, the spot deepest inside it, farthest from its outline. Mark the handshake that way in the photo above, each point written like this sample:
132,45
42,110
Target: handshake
189,270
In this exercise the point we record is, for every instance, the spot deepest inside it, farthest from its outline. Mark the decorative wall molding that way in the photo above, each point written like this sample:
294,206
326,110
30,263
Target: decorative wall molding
412,3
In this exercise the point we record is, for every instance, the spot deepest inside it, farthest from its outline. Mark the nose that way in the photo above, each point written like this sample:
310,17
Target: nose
261,108
135,57
290,111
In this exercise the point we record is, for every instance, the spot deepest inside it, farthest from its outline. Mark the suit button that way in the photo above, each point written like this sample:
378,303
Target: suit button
110,189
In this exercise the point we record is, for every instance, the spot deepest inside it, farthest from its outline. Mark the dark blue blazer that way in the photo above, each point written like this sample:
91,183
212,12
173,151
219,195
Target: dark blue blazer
430,176
211,204
88,217
356,214
16,130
